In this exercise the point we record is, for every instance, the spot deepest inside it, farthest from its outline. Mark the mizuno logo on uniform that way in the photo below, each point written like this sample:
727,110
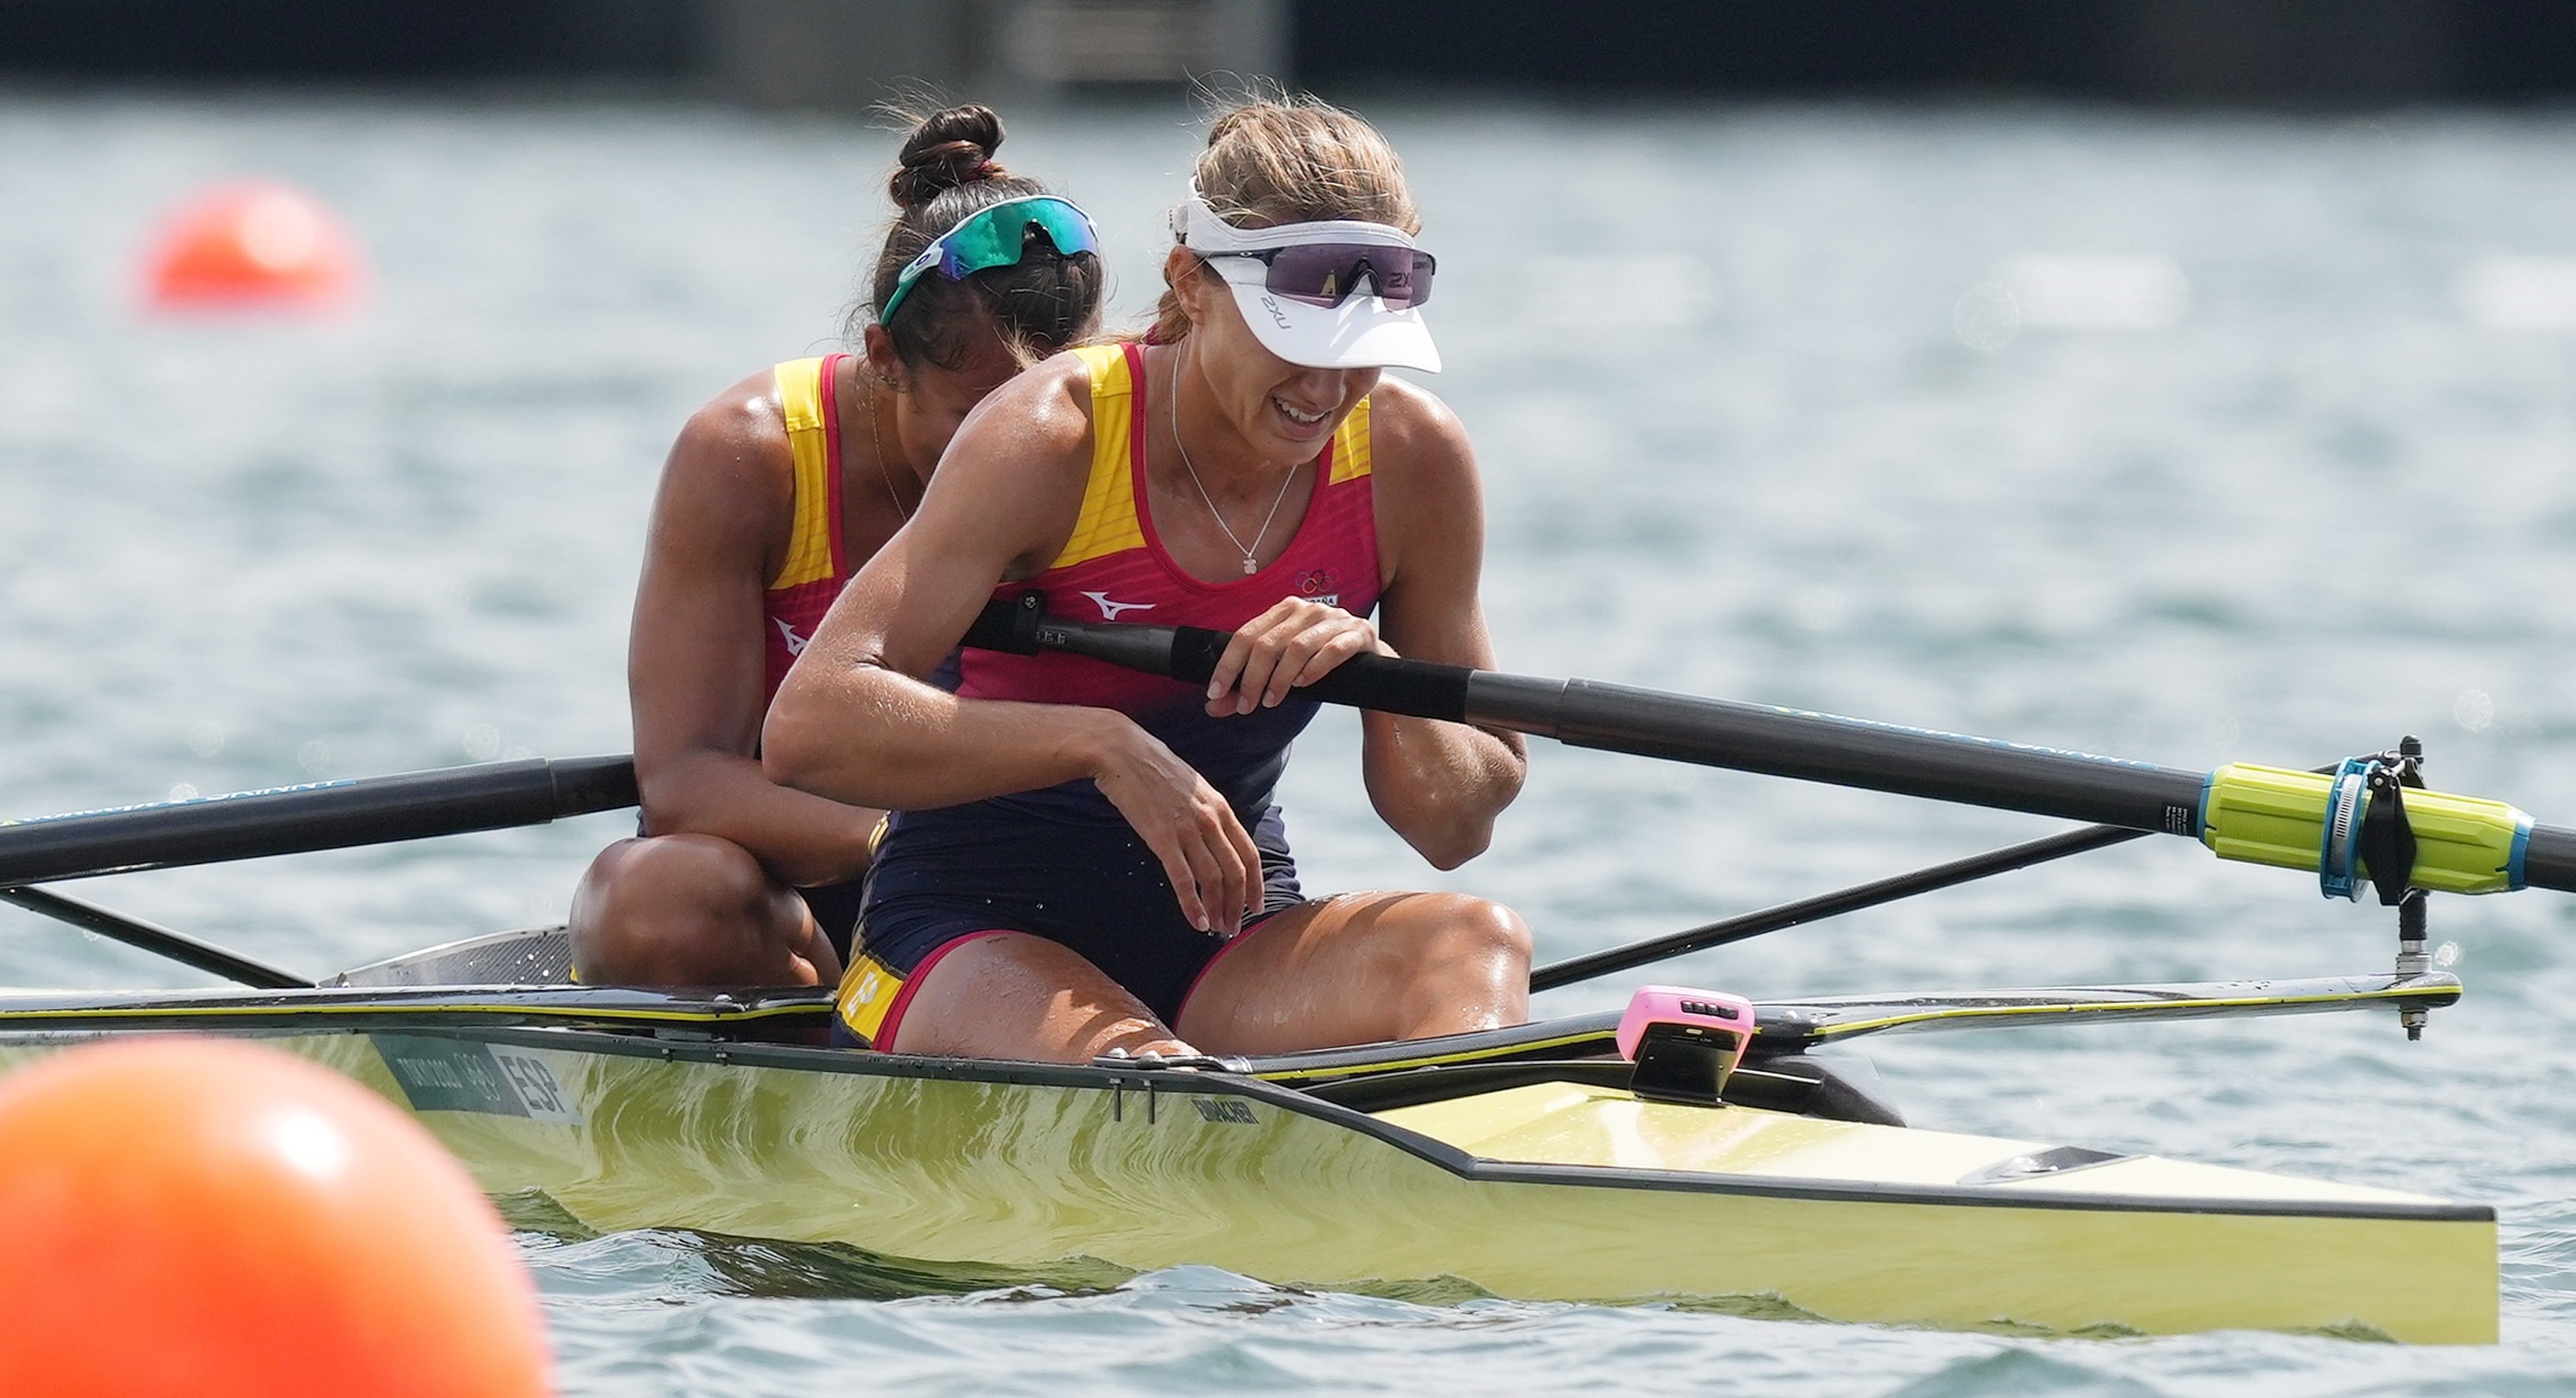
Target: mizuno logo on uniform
795,643
1109,610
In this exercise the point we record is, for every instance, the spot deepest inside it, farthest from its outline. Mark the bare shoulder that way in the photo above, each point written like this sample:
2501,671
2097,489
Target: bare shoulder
729,484
1026,432
1418,449
739,434
1012,480
1046,408
1413,432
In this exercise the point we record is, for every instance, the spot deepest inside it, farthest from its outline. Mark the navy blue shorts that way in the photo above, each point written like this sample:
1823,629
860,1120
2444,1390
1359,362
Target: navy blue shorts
942,877
836,910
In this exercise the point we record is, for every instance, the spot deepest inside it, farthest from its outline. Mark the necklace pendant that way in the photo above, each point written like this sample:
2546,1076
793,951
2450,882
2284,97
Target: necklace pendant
1251,565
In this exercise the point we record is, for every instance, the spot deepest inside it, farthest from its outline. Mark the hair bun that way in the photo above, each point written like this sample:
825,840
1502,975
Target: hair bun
947,149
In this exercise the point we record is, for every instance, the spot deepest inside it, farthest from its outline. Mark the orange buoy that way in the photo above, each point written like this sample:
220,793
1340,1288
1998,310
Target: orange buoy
254,245
205,1217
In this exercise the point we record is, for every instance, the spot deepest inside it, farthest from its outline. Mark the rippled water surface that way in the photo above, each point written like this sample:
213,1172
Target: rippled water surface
2186,439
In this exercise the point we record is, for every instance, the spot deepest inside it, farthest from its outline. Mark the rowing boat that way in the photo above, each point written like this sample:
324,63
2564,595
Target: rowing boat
1535,1162
1517,1162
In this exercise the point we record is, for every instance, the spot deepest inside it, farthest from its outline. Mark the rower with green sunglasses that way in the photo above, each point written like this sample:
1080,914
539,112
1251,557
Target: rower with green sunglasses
774,494
1087,860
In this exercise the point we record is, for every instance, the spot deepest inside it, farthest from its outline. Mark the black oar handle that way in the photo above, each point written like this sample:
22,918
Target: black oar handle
1679,727
2550,860
1843,751
1190,653
1717,733
327,815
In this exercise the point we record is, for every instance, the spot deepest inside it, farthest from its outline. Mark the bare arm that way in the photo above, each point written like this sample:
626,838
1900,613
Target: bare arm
1439,785
855,722
695,657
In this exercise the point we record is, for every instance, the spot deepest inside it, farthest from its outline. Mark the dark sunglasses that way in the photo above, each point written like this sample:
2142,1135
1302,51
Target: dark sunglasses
1324,274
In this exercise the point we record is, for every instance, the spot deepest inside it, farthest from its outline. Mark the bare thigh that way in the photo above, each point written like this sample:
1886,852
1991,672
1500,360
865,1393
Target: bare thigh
1011,995
1363,968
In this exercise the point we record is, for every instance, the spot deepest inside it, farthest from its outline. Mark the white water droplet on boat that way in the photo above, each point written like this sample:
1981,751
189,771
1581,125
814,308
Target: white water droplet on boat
182,791
314,757
205,737
2473,710
482,741
310,1144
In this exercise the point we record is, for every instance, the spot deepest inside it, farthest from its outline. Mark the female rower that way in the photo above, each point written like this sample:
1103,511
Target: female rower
774,494
1089,860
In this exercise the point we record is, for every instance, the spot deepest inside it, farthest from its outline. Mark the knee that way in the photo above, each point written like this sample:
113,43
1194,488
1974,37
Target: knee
653,909
652,879
1469,969
1480,932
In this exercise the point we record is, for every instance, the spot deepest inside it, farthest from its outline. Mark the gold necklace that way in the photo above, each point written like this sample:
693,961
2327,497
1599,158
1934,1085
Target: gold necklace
876,436
1251,552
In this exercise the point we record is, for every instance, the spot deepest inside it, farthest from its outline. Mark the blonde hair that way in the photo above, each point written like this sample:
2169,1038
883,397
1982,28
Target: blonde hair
1293,160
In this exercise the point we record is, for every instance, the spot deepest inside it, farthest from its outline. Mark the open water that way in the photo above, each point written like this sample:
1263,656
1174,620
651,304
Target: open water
2181,438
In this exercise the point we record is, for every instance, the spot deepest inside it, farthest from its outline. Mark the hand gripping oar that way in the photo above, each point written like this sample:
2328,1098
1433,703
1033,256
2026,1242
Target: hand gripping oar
2262,815
324,815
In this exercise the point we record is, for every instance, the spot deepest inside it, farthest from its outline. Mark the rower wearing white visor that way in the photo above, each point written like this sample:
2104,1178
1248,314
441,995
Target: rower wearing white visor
1087,859
1298,286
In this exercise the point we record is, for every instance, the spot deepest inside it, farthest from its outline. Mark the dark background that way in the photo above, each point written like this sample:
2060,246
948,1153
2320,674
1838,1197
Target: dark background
2257,52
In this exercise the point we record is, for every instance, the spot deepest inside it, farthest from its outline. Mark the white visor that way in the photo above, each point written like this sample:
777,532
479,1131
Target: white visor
1359,333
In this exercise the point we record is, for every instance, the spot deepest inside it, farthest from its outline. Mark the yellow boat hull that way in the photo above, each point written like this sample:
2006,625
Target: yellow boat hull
1549,1191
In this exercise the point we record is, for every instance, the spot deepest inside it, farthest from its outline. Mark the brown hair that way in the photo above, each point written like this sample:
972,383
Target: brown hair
1293,160
1038,305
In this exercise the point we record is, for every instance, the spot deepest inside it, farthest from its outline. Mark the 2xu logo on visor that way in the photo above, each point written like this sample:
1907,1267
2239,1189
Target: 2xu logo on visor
1326,274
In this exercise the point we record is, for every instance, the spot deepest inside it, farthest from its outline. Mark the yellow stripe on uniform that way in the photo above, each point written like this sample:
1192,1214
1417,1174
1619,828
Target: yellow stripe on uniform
1108,522
809,544
868,991
1351,445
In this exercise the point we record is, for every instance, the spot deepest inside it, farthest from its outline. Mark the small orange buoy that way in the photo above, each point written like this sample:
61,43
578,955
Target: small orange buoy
204,1217
252,246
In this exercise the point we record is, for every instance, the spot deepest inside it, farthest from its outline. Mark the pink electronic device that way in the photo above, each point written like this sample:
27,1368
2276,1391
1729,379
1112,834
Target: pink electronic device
1685,1042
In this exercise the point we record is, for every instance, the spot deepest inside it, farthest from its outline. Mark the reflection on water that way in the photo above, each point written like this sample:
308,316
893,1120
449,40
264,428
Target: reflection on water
2181,439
